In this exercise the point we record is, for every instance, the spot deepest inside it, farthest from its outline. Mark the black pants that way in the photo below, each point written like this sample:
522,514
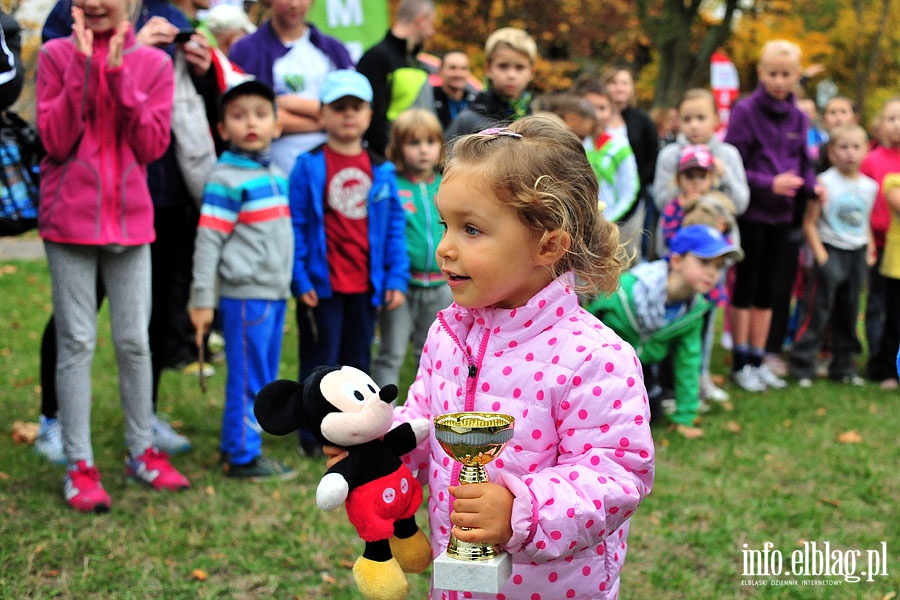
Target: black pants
833,290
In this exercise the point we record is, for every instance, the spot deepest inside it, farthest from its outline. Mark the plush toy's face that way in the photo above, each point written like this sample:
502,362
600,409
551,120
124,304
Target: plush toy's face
364,413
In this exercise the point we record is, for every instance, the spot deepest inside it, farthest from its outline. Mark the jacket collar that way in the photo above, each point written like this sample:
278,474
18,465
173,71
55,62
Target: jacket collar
772,105
540,312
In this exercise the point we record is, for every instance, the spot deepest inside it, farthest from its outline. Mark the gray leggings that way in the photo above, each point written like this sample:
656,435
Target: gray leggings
126,274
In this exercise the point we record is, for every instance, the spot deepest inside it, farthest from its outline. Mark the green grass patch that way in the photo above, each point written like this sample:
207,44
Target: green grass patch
770,469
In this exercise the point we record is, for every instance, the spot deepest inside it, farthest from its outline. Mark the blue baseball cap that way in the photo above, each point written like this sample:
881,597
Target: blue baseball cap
704,241
345,82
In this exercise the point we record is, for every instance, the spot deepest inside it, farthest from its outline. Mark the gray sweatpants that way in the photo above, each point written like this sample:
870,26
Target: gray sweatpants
126,276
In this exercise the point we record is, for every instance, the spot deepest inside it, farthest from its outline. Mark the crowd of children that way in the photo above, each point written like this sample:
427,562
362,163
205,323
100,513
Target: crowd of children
511,268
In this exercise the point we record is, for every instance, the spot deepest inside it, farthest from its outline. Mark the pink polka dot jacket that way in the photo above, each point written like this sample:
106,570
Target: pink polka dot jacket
581,458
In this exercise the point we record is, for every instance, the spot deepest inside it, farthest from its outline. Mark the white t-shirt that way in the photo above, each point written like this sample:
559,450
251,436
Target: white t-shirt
844,222
301,72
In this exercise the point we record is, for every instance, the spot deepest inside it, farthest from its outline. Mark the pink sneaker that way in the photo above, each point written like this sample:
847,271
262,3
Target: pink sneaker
153,468
83,490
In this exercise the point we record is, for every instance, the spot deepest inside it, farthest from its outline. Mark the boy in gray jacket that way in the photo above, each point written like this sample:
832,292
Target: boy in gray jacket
244,254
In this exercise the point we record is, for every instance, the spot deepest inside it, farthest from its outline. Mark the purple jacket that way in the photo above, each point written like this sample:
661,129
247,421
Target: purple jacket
770,134
581,456
256,53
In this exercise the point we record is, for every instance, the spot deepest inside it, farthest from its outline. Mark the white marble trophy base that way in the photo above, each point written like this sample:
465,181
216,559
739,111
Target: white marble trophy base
485,576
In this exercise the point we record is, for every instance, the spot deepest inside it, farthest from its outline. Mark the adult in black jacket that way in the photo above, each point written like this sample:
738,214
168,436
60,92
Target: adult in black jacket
392,68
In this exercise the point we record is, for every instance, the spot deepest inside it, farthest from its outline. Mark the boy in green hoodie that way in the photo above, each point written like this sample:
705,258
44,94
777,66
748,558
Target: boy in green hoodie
659,309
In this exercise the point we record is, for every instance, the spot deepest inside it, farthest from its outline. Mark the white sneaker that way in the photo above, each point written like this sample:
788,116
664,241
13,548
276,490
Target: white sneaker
725,341
710,391
668,406
748,379
805,382
770,379
49,442
168,440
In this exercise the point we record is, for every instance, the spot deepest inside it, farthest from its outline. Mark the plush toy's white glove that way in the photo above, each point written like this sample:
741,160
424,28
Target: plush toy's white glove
332,491
421,428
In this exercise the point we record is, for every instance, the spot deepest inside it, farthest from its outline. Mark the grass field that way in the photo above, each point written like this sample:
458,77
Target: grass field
792,467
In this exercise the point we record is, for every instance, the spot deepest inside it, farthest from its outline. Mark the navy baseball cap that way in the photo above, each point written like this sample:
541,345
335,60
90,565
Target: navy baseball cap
704,241
249,86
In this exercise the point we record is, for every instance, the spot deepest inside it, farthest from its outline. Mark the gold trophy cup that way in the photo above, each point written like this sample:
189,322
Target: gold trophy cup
473,439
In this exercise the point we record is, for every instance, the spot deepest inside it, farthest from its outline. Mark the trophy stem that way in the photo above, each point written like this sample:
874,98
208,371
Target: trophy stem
470,551
473,473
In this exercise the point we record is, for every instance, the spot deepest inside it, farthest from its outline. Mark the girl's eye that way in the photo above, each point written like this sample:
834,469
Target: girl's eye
471,230
443,224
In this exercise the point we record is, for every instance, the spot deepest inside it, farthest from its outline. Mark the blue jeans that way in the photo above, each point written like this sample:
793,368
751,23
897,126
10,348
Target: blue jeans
253,331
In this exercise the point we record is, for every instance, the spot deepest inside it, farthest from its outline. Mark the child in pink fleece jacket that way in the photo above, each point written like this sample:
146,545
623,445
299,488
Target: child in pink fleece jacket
104,109
516,341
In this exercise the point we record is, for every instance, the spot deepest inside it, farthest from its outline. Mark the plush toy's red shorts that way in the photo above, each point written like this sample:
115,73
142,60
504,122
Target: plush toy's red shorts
372,508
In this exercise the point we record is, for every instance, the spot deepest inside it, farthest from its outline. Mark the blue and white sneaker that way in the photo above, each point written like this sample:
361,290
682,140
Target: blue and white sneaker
167,439
49,442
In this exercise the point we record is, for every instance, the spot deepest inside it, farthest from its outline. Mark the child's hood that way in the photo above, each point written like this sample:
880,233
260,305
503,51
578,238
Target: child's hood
648,295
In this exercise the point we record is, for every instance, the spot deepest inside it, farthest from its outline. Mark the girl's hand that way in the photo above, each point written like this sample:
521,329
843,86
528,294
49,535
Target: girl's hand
787,184
310,299
393,299
334,454
485,509
197,54
157,32
84,37
117,45
720,167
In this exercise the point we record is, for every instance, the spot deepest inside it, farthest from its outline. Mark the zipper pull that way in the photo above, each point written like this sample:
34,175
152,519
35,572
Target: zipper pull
473,371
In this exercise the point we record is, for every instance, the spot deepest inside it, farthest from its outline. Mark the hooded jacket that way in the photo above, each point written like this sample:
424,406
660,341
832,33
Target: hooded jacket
100,127
581,456
636,312
388,259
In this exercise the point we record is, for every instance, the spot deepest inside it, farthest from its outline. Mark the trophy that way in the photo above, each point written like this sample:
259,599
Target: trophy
473,439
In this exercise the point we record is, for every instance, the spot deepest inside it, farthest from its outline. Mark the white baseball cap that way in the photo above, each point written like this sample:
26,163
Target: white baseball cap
228,16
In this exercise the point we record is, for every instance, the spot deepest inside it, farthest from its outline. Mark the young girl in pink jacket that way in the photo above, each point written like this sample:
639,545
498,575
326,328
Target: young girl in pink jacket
522,235
104,107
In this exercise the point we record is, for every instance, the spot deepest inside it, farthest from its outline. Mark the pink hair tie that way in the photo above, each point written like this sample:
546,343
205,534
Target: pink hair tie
500,131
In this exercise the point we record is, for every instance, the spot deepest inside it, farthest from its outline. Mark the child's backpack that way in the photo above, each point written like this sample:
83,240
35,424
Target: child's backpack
21,152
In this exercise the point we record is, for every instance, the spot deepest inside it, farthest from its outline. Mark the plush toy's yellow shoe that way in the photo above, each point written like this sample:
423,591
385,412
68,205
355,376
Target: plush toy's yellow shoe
413,553
380,580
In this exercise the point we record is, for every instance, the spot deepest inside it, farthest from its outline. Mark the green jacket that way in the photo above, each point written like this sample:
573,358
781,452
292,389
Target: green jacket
683,338
423,230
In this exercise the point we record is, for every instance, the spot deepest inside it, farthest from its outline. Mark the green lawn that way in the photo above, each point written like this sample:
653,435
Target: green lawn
770,469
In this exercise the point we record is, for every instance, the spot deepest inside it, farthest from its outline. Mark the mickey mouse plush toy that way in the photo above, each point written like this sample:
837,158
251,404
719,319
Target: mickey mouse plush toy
343,407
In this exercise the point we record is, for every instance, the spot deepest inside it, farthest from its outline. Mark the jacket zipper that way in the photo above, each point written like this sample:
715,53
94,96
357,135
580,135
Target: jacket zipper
426,205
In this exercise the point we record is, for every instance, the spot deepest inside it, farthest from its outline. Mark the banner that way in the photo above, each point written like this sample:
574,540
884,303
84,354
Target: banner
359,24
725,84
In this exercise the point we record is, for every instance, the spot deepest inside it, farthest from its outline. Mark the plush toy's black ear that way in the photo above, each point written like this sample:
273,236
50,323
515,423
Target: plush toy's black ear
279,407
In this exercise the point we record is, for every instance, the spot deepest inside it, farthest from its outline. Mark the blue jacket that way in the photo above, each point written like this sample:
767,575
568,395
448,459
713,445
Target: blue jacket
388,260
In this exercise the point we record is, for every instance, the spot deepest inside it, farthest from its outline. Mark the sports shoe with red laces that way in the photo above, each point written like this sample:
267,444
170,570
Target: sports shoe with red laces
83,490
153,468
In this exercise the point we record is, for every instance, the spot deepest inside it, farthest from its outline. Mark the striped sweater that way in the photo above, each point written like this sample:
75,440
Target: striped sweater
245,241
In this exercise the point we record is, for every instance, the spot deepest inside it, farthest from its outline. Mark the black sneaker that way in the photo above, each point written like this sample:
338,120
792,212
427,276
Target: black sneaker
259,469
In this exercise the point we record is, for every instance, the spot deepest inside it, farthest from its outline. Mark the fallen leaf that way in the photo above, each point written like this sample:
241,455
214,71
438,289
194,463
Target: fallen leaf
210,490
719,380
873,409
4,476
834,503
820,412
327,578
665,442
24,432
889,596
787,423
347,564
732,426
199,575
849,437
51,573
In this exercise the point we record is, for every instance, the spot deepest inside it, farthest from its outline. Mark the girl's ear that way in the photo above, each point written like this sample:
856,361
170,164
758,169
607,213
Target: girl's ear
552,246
